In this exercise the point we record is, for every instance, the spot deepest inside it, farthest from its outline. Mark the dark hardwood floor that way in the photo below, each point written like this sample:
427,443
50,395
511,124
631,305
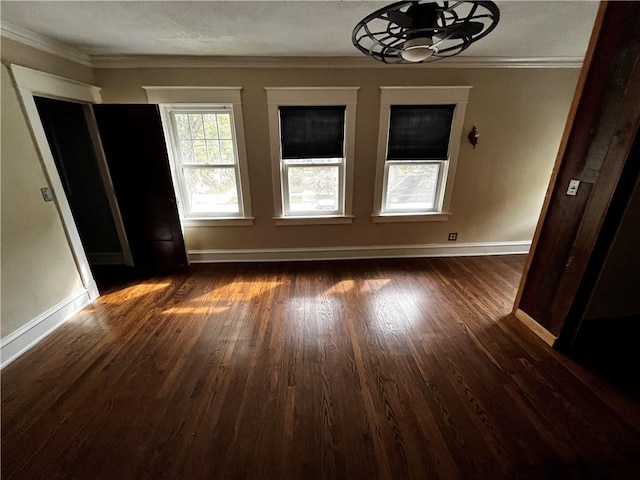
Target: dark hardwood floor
390,369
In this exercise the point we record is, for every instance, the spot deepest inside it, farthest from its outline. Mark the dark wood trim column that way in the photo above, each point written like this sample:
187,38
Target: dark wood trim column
595,149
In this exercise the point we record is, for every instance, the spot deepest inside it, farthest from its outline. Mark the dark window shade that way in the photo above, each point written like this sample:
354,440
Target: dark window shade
312,132
419,132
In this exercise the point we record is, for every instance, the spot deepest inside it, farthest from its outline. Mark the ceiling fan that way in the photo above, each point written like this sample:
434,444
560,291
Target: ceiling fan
416,31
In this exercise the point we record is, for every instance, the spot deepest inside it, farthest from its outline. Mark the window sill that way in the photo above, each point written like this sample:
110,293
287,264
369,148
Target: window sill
327,220
218,222
410,217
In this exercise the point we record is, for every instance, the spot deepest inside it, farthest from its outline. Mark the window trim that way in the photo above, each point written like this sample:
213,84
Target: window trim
312,96
448,95
203,98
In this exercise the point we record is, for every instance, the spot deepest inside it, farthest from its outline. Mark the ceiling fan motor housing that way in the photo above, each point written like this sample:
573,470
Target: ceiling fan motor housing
424,17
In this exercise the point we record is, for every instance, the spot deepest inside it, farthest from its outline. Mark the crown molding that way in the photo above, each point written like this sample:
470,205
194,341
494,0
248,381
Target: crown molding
39,42
171,61
32,39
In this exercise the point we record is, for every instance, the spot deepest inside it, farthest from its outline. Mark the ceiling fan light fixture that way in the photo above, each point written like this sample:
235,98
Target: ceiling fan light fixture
416,31
417,49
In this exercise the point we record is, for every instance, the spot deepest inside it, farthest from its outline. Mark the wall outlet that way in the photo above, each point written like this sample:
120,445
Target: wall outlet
453,237
46,194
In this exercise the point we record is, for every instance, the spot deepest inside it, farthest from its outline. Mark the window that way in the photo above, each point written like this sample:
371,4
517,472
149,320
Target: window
312,143
312,151
420,130
207,153
206,162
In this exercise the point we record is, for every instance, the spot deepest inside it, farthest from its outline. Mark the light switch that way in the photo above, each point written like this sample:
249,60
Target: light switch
46,194
573,187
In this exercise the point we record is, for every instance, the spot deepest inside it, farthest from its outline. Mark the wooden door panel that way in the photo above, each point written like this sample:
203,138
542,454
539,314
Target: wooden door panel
136,153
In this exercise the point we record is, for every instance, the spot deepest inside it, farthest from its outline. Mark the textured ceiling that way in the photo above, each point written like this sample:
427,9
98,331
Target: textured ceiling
534,29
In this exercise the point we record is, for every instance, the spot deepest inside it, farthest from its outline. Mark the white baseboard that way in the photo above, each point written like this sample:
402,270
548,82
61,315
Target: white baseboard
365,252
18,342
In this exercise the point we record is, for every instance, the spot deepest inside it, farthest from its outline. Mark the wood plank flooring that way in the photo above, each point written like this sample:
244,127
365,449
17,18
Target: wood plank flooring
389,369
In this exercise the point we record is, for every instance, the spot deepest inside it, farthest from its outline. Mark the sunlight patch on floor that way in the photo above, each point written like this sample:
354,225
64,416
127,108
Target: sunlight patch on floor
133,292
244,291
194,310
342,287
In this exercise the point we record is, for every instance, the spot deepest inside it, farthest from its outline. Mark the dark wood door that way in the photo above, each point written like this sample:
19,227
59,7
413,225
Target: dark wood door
136,153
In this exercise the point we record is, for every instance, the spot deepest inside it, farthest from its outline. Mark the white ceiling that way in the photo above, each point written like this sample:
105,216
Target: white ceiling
527,29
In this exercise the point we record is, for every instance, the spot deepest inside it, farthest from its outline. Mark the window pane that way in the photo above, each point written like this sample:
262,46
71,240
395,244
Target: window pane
186,151
226,149
419,132
210,126
198,138
224,125
182,123
199,151
197,129
412,187
312,132
211,190
313,189
213,148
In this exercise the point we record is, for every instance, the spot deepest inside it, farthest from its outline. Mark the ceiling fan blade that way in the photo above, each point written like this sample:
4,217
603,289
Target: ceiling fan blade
401,19
468,28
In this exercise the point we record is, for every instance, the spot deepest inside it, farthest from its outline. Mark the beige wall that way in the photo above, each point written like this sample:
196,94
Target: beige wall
499,188
38,269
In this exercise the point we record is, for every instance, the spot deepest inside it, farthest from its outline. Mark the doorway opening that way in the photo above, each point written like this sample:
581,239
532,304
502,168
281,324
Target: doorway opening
86,181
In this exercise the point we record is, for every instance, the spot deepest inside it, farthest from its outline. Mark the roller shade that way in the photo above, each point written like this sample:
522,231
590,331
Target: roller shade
419,132
312,132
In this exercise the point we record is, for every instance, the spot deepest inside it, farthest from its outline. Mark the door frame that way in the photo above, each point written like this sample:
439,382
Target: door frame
30,83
